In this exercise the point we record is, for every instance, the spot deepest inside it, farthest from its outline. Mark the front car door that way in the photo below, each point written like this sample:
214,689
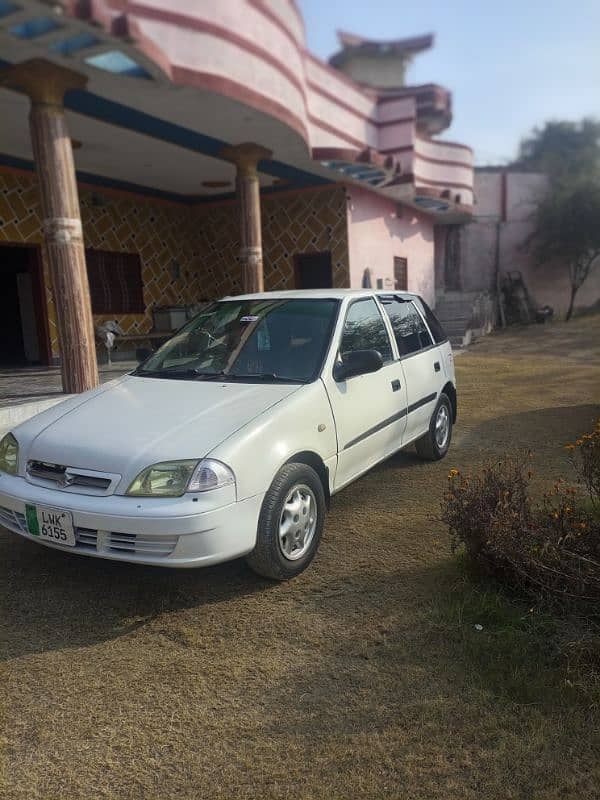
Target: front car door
420,359
369,410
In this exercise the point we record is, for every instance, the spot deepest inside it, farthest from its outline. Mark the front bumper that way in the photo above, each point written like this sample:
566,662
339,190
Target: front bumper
189,531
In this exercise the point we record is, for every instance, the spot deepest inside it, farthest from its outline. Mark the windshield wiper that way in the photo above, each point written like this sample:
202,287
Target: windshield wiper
169,372
262,376
198,374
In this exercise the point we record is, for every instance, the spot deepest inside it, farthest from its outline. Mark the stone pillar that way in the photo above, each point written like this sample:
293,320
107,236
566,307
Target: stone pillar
246,157
45,84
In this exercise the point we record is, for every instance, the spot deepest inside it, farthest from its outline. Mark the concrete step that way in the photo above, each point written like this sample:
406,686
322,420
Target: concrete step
449,296
461,341
457,324
449,315
450,332
462,320
446,301
454,312
11,416
467,307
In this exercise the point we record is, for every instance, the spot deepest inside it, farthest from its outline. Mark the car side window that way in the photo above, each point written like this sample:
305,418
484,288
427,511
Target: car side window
365,329
433,323
409,329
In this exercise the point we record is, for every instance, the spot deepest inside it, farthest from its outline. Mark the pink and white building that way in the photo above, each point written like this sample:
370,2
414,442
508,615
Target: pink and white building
355,183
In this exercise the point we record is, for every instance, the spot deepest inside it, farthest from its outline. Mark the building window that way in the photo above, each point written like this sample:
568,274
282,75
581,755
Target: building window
115,282
400,274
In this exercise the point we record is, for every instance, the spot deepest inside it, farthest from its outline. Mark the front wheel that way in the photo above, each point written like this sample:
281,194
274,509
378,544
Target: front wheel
436,442
290,524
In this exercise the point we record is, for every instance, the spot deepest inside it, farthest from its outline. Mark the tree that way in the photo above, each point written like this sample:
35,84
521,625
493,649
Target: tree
565,151
567,218
567,229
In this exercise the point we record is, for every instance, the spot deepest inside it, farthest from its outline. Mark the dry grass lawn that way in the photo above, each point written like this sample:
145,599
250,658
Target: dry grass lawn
364,678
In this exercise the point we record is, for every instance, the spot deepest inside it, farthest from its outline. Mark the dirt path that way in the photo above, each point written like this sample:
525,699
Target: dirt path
139,683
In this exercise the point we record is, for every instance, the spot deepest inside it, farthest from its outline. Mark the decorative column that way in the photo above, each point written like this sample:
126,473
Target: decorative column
45,84
246,157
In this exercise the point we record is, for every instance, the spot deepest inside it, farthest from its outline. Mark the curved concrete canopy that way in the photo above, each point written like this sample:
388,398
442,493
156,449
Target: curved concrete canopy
196,76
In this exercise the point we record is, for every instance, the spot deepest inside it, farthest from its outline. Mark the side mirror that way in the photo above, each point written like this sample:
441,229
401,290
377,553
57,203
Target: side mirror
357,362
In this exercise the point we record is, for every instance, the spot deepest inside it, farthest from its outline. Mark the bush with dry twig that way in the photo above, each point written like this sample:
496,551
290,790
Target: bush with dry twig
547,548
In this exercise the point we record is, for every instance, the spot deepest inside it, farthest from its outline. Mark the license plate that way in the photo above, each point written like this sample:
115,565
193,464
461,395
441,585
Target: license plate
52,525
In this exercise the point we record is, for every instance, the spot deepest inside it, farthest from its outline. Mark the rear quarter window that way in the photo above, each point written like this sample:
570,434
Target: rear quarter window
433,323
409,329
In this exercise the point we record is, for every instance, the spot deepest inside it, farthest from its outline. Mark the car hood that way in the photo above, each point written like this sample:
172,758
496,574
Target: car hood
139,421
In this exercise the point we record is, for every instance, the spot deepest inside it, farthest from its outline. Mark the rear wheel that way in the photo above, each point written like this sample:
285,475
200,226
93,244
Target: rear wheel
436,442
290,523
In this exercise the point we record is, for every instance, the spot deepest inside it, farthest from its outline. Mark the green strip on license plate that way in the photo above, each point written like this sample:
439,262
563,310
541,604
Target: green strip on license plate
32,521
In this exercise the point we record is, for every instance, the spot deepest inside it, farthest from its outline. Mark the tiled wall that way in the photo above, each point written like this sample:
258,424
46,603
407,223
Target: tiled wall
188,254
308,221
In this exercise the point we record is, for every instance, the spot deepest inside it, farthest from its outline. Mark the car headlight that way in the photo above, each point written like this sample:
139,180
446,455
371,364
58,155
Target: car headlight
174,478
9,454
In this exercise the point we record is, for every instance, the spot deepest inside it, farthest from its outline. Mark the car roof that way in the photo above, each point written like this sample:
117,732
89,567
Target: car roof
318,294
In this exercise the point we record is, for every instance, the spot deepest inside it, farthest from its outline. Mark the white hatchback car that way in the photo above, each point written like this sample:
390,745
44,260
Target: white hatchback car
230,439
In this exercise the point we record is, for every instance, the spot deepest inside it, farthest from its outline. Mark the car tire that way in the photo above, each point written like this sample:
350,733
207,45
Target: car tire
290,524
436,442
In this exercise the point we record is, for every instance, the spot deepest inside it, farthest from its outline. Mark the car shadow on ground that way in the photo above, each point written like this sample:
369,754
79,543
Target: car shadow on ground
54,600
539,430
544,432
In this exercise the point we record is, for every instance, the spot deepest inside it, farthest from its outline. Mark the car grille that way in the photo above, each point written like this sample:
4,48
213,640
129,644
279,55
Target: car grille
69,477
142,545
12,519
86,537
103,541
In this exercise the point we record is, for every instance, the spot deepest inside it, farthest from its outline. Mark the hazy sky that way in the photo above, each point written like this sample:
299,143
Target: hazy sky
510,64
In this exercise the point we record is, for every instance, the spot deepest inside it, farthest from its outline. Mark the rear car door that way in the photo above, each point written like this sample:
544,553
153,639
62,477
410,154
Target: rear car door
440,338
421,362
369,410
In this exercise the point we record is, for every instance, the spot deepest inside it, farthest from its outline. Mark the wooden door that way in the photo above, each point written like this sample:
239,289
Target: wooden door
400,274
313,270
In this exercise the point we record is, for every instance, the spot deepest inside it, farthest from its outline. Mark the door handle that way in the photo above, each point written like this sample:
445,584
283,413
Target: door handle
396,385
436,366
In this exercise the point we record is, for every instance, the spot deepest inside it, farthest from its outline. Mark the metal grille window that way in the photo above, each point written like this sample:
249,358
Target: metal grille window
115,282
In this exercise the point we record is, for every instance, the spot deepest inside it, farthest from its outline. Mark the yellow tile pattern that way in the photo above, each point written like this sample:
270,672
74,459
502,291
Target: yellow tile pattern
188,254
306,221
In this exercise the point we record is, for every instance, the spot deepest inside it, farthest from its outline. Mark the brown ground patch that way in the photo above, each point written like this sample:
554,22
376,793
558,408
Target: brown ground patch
131,682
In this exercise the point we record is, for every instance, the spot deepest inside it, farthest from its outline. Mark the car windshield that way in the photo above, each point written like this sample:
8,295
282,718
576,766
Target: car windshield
249,340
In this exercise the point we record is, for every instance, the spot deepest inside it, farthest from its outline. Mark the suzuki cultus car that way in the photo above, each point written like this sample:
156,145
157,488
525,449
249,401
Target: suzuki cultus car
230,439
